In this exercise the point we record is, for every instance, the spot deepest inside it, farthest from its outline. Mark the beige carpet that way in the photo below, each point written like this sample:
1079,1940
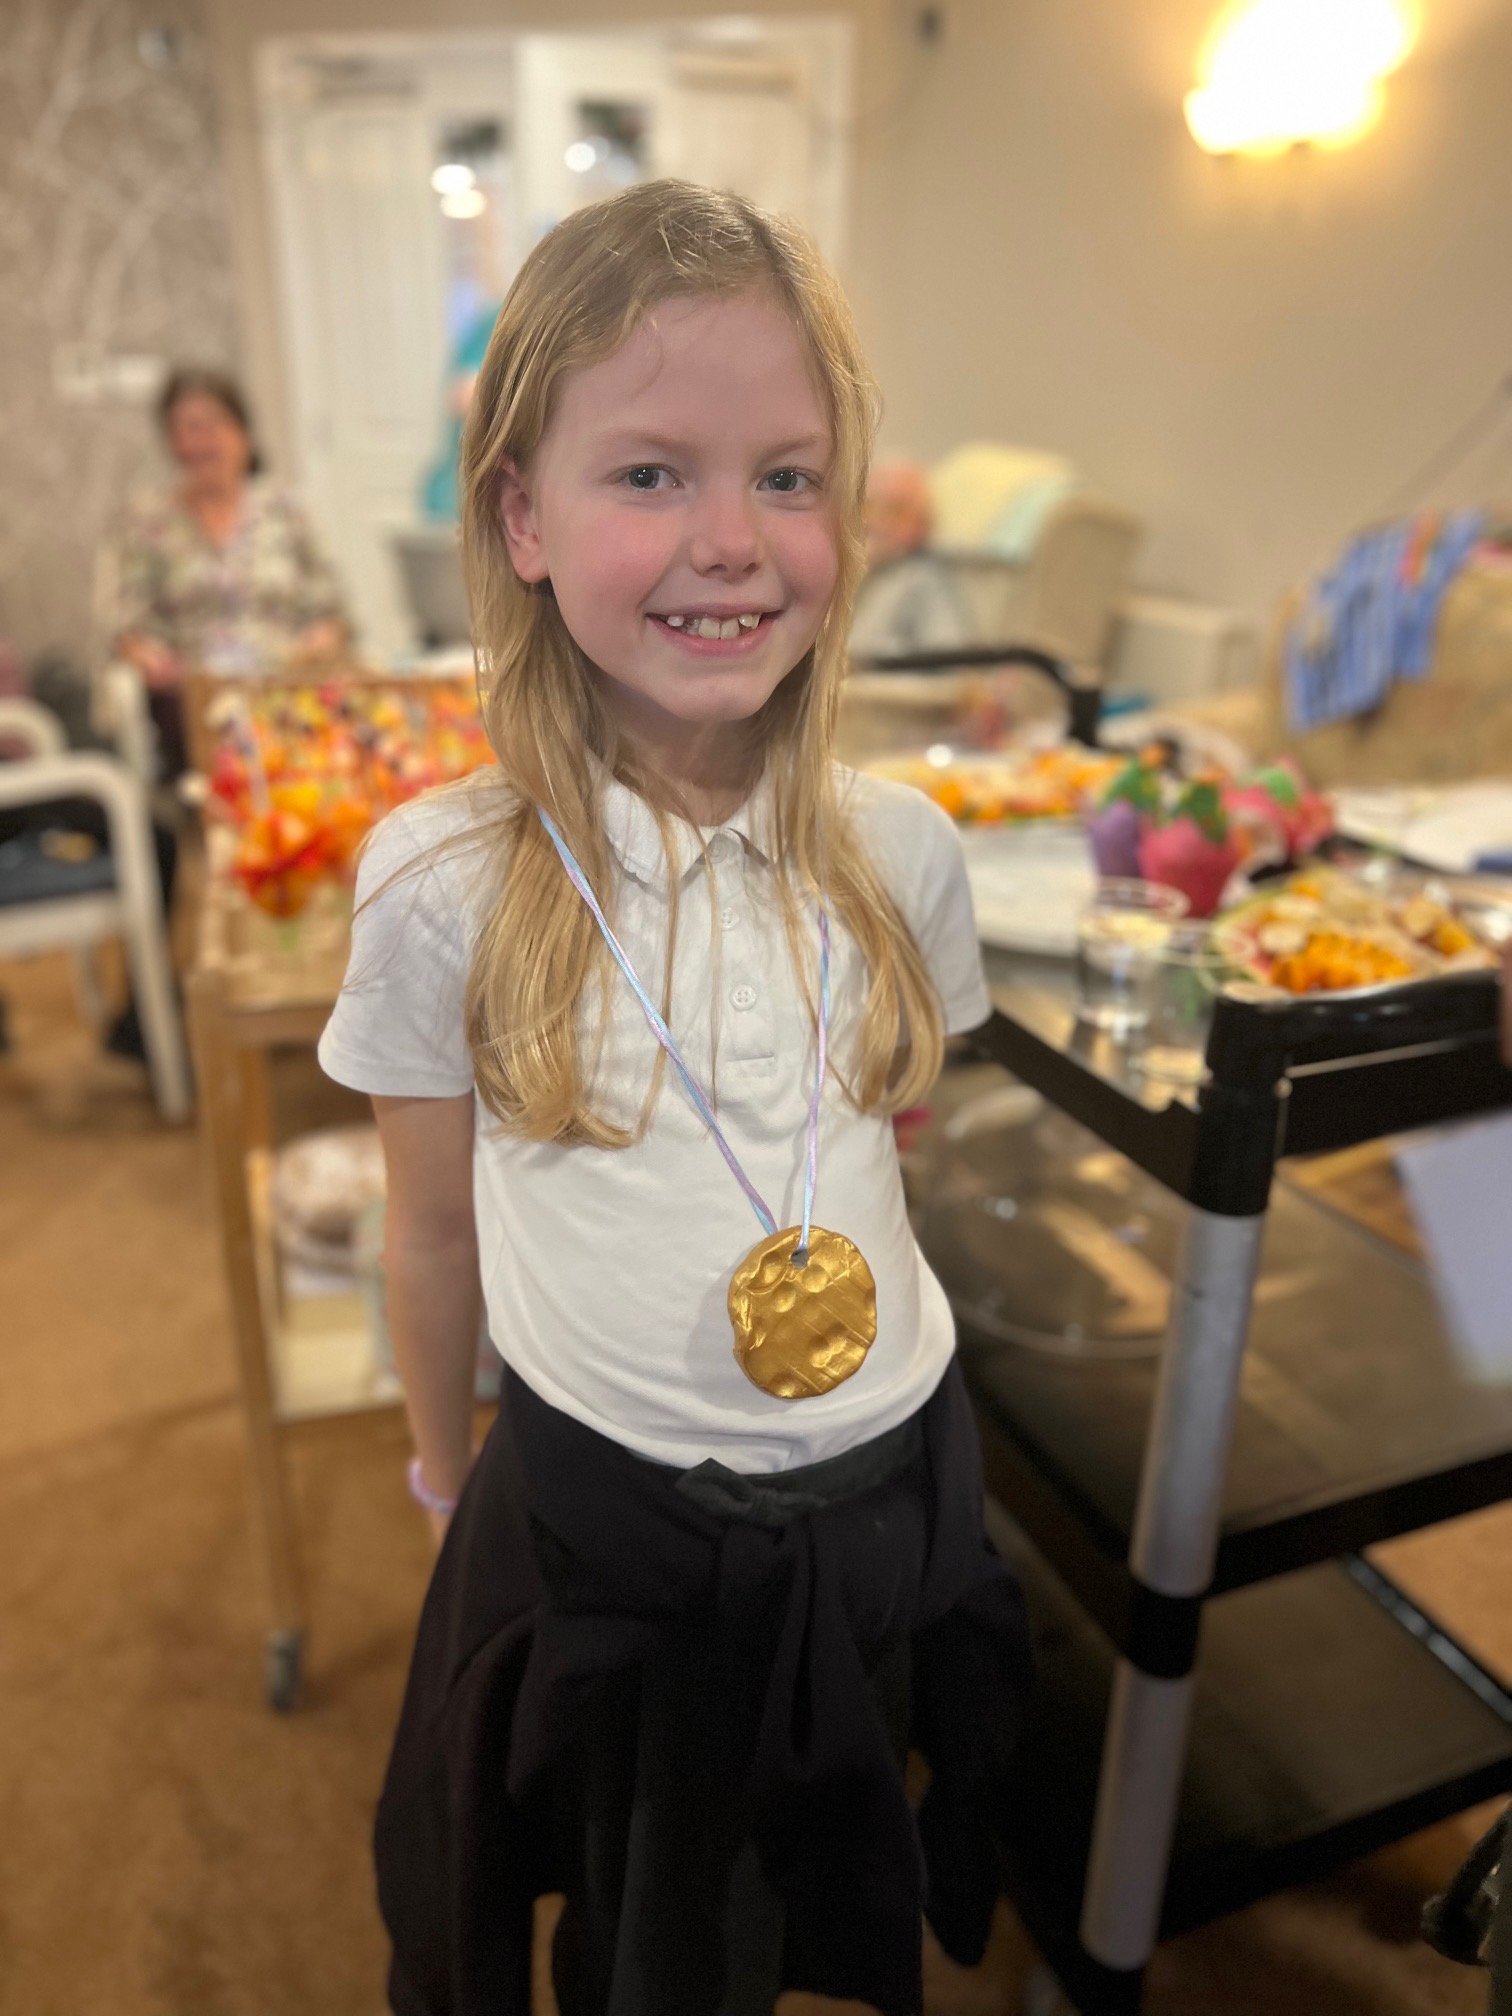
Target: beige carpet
167,1846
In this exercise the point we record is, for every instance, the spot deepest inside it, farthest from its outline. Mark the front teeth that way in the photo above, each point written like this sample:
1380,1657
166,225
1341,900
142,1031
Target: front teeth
711,626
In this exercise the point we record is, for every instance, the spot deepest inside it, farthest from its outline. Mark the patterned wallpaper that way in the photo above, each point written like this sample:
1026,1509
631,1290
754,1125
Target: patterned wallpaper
113,260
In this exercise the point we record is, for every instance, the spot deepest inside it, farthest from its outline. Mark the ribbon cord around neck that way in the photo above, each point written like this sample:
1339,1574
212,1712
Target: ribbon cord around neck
694,1090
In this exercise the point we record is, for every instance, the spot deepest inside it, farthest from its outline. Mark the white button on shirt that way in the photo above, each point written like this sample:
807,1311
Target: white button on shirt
606,1271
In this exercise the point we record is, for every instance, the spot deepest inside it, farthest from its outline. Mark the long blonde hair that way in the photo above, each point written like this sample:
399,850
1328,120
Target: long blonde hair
579,294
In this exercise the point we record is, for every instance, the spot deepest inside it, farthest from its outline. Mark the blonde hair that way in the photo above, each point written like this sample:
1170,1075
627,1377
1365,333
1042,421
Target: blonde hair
579,294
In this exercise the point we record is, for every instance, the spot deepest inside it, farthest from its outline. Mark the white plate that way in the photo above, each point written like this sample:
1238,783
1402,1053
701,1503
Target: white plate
1029,883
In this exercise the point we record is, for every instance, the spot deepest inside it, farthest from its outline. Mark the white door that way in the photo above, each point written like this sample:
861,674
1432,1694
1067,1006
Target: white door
755,106
744,123
366,311
562,81
352,138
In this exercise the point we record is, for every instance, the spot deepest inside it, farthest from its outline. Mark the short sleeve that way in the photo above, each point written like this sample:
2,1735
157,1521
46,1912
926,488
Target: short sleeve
918,853
399,1024
130,580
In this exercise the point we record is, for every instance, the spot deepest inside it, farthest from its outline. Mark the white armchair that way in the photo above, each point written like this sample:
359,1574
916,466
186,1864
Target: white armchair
120,713
48,906
1064,597
1021,554
119,709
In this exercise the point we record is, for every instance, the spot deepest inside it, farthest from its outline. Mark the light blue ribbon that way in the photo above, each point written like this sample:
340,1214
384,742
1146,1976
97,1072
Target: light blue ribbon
694,1091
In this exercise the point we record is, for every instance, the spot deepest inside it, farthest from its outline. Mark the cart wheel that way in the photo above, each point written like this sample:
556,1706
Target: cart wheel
1044,1996
283,1669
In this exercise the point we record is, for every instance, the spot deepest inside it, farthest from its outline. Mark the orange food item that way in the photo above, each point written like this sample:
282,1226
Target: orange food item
1329,960
1451,938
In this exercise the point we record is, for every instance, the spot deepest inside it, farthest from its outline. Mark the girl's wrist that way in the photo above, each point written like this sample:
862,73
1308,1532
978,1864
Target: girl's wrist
423,1493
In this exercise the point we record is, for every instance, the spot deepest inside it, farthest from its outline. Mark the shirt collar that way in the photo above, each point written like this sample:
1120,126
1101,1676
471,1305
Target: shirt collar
633,834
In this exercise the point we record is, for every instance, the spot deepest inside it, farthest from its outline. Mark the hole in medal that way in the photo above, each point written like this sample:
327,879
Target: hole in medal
799,1257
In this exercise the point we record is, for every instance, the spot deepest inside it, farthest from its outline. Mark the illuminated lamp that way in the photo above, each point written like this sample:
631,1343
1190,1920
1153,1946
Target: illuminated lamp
1278,74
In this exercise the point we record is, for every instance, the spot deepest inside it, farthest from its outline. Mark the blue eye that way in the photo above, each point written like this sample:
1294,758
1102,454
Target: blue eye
788,482
645,476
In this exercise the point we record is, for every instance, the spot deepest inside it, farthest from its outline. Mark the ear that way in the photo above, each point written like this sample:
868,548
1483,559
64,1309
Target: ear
517,514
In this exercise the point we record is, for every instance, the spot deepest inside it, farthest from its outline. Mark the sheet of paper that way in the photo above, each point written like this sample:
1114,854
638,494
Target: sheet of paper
1448,827
1460,1184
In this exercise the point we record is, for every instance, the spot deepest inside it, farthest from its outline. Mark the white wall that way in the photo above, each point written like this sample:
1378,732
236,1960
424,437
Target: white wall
1253,354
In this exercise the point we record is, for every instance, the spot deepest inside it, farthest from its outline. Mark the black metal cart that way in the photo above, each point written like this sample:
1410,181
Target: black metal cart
1209,1490
1225,1489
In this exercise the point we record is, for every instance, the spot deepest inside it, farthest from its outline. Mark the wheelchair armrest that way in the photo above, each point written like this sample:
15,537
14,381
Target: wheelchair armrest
24,721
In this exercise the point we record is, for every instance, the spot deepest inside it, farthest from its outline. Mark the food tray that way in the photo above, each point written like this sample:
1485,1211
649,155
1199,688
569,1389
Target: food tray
1328,930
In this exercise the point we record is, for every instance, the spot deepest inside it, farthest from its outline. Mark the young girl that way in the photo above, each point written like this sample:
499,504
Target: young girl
634,1011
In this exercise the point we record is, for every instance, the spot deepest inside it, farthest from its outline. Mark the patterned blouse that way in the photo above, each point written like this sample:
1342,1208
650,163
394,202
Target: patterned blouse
235,609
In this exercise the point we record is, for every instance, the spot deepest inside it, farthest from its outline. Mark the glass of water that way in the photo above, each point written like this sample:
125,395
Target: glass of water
1121,940
1173,1045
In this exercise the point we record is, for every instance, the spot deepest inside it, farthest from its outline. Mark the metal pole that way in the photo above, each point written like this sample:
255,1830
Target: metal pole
1173,1549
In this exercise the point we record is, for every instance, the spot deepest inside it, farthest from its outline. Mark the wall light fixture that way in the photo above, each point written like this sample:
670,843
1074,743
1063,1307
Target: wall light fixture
1277,74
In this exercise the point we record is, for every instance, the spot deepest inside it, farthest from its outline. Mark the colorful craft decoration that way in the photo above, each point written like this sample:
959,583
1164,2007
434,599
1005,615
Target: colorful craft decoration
303,772
1192,833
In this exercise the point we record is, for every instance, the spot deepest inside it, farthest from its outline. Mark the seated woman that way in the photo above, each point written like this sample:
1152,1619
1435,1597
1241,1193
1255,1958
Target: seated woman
219,572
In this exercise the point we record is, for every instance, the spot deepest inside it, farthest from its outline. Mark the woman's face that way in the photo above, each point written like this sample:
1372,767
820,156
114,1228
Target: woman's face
208,443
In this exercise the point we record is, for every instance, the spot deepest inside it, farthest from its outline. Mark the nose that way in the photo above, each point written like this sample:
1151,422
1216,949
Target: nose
725,535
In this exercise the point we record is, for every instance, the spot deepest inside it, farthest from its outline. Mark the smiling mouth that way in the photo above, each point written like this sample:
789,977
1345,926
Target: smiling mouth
709,627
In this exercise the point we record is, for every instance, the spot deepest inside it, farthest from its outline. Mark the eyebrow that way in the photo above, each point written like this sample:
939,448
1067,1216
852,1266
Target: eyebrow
625,438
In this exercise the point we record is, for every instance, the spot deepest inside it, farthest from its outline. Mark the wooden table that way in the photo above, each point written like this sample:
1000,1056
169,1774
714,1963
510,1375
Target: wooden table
255,987
258,986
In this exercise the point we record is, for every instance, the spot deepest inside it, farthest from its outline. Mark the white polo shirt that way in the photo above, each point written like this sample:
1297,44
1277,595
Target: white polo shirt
606,1271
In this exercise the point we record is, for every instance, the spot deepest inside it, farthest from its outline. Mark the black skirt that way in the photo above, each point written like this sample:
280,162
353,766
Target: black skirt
682,1698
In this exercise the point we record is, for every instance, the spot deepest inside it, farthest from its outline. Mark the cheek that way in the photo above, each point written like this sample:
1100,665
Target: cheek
808,554
617,557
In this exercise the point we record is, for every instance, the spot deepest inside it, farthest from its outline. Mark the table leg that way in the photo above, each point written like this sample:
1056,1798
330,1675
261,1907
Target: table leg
256,1098
223,1103
257,1131
1172,1552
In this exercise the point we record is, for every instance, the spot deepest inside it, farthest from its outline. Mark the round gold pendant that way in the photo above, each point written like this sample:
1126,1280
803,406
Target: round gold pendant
800,1330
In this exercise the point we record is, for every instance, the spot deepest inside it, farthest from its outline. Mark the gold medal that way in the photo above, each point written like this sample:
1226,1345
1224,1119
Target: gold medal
799,1331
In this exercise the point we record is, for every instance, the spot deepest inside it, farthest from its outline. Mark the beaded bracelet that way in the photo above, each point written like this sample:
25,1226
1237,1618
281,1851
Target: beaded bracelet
422,1494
